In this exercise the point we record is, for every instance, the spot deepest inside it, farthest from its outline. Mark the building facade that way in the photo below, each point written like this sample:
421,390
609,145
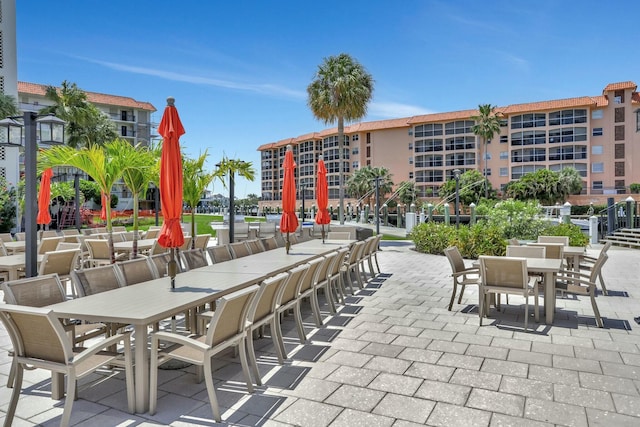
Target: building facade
9,167
599,136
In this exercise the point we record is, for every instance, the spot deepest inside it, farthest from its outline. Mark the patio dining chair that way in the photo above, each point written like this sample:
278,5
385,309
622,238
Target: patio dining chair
462,275
269,243
554,239
288,298
99,252
6,237
187,243
588,262
193,258
323,281
352,266
255,246
228,328
136,271
239,249
48,244
40,341
152,233
90,281
62,263
338,235
202,241
160,263
506,275
219,253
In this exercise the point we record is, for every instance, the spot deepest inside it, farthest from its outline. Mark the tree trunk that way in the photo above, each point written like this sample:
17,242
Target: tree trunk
341,170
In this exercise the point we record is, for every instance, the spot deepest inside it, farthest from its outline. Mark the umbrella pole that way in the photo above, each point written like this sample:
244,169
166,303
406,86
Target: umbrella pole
173,268
322,233
287,244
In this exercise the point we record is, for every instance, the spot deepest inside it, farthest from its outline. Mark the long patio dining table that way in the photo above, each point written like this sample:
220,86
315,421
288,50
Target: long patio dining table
149,302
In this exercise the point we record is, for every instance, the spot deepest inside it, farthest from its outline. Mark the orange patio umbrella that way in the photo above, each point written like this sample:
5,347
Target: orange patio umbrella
322,196
289,220
170,235
44,198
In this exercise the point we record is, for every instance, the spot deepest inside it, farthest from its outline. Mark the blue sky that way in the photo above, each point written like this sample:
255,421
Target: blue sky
239,69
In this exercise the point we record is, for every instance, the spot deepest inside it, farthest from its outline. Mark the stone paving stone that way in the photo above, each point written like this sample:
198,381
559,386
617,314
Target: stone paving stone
583,397
553,375
348,344
378,349
388,364
403,423
309,413
415,342
351,418
583,365
420,355
620,346
447,415
465,328
378,337
571,340
353,376
597,354
620,370
349,358
461,361
404,330
493,401
630,359
321,370
511,344
561,349
504,367
372,326
438,335
313,389
529,357
488,352
359,398
473,339
485,380
527,388
501,420
443,392
350,334
556,413
599,418
404,407
398,384
448,346
606,383
625,404
430,372
429,324
494,332
400,321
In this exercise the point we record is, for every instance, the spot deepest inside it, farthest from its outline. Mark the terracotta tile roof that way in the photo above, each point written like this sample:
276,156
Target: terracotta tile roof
581,101
284,142
378,124
308,137
268,146
442,117
330,131
601,101
620,86
94,97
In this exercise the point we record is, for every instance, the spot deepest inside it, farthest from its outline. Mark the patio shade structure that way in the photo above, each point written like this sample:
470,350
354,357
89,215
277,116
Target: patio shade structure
289,220
44,198
322,196
170,235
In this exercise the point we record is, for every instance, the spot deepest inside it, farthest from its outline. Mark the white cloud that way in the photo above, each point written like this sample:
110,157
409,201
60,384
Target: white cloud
396,110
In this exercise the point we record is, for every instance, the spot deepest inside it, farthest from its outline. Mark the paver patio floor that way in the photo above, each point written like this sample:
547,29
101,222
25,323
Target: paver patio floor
394,356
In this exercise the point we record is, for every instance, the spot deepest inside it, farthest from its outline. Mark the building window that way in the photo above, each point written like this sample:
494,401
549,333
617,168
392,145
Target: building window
638,120
597,114
619,169
597,167
410,160
529,120
619,133
368,137
428,130
411,146
620,186
596,132
504,139
567,117
488,171
596,185
619,151
618,97
355,137
504,155
123,130
459,127
368,151
410,175
504,171
355,165
619,115
596,150
355,151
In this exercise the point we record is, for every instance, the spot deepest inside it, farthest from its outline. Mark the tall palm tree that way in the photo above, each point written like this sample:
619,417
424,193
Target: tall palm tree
195,182
487,125
340,92
8,106
142,167
362,182
233,167
105,164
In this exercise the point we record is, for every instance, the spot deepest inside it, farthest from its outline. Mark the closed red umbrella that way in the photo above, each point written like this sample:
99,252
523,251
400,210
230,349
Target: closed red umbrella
289,220
170,235
44,198
322,196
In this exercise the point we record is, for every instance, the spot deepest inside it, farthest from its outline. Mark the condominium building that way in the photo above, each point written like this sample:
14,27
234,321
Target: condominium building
597,135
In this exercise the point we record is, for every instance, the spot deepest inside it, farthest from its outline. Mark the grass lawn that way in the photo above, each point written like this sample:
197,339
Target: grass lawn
202,222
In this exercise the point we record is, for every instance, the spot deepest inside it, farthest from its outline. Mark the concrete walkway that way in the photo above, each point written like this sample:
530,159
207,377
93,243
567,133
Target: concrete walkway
394,356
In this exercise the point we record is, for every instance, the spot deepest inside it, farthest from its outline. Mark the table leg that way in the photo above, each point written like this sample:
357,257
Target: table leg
141,368
13,274
549,297
57,385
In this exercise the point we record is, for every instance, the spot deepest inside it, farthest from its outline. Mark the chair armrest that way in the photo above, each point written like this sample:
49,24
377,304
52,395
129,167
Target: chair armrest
103,344
470,270
177,339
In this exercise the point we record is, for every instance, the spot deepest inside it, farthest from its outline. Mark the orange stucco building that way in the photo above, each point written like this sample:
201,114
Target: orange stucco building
599,136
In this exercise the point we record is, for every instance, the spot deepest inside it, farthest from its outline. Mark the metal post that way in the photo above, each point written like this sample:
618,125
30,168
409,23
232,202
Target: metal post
302,187
456,176
232,207
76,185
377,205
31,195
156,203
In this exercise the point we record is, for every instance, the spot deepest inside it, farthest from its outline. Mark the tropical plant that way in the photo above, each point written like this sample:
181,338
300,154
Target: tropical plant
85,123
471,187
105,164
8,208
635,188
194,183
361,184
141,168
542,185
406,192
487,125
8,106
569,182
90,190
63,191
339,92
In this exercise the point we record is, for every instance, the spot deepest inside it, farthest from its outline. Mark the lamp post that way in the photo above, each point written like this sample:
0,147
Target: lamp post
456,176
232,207
51,132
303,190
376,181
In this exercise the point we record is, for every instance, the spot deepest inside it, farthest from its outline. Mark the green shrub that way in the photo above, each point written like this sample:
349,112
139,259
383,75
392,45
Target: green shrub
635,188
8,208
576,236
479,239
431,237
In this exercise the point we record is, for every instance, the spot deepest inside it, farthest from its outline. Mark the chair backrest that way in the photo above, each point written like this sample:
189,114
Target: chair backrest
269,243
36,291
289,289
3,249
21,235
98,249
239,249
187,243
36,333
338,235
136,271
527,251
157,249
342,257
193,258
202,240
59,262
310,278
119,229
160,263
554,239
230,315
219,253
553,250
597,266
280,240
255,246
355,253
48,244
152,233
455,259
266,229
94,280
606,246
325,269
266,300
70,232
48,233
514,242
67,245
503,272
6,237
